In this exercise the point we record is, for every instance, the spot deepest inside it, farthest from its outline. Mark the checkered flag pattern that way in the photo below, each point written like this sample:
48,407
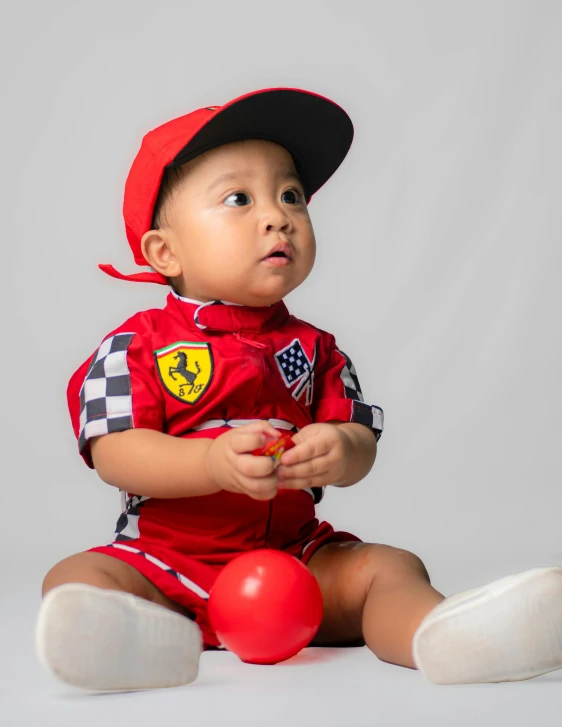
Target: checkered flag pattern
106,403
163,566
127,527
350,380
217,423
293,362
370,416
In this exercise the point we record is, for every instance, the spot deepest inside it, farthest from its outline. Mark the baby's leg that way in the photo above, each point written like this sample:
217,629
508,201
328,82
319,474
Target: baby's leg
98,569
103,625
507,630
372,593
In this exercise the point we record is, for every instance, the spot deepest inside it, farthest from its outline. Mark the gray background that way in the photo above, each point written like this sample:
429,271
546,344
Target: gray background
438,271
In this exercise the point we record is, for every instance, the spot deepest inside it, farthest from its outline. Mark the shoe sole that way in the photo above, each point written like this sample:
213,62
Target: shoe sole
509,630
107,640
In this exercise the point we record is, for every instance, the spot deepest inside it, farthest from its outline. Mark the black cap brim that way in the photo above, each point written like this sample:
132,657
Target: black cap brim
315,131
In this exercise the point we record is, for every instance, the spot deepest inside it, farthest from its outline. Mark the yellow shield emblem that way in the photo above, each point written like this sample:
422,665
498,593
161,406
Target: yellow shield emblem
186,369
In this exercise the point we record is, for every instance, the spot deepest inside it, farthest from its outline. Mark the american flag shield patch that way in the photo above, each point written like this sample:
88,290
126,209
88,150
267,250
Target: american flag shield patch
296,368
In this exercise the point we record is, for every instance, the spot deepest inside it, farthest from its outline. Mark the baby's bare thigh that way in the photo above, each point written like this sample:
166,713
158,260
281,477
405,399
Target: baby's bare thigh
99,569
345,572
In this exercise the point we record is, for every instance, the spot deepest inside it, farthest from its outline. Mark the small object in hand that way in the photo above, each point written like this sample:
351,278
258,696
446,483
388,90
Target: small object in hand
265,606
275,448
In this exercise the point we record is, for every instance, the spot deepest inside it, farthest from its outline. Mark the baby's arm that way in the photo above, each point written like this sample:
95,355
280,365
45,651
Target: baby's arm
340,447
118,414
154,464
363,452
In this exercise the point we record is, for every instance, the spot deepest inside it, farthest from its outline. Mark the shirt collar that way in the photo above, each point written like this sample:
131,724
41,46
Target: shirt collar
221,315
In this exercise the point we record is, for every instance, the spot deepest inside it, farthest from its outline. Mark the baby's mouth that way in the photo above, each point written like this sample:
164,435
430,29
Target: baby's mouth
277,259
281,250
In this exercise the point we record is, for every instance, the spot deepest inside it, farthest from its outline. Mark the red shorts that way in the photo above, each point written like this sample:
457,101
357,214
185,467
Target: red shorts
181,545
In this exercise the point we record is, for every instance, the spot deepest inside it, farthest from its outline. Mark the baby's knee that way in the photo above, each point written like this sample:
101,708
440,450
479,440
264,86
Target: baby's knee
388,561
92,568
400,559
64,571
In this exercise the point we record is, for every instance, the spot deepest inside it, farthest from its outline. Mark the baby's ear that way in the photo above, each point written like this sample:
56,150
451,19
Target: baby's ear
158,252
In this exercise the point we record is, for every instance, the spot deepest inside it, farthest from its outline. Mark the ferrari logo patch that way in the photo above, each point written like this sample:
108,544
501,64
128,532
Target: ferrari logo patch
186,369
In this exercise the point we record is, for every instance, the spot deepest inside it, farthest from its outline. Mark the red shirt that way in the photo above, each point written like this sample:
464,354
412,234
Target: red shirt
193,370
193,367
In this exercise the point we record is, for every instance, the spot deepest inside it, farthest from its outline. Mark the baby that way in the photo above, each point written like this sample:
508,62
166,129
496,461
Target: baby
172,403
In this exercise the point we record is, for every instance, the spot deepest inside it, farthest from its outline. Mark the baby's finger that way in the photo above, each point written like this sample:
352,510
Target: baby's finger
246,441
252,466
301,483
307,450
311,468
262,426
261,488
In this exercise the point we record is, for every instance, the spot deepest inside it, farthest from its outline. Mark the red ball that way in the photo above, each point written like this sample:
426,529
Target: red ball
265,606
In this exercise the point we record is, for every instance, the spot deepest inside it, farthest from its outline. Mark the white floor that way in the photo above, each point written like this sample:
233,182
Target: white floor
339,687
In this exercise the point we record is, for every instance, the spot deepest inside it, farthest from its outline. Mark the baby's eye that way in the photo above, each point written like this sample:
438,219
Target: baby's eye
240,196
294,194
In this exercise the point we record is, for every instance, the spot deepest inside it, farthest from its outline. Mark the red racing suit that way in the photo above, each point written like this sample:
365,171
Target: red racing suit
195,370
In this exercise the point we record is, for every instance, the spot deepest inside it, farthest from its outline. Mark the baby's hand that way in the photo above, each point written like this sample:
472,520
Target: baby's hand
234,468
320,457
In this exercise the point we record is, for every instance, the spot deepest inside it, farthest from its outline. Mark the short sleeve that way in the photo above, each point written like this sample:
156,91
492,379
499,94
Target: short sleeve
115,390
337,393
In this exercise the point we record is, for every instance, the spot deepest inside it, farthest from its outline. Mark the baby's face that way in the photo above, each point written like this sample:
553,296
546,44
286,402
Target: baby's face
238,202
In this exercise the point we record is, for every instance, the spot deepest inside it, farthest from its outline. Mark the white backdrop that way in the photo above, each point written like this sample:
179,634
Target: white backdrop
438,250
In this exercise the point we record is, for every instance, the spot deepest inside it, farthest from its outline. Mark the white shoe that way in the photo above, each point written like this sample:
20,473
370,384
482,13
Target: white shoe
508,630
105,640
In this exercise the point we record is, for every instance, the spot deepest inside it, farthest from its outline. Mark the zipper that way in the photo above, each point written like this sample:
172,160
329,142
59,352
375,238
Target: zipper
255,344
268,524
262,346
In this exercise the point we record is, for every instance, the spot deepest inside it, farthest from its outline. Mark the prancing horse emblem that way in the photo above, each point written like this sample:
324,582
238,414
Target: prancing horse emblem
182,369
185,369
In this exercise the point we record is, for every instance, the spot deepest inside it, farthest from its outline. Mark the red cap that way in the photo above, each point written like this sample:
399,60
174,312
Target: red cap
314,130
